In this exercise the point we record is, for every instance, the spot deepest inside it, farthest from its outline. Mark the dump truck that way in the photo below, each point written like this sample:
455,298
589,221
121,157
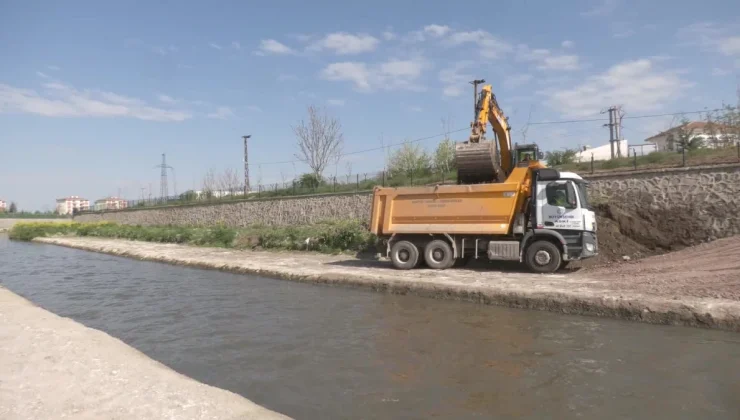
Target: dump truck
507,206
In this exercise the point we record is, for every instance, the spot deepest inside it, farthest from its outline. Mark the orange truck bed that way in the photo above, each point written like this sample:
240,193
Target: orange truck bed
484,209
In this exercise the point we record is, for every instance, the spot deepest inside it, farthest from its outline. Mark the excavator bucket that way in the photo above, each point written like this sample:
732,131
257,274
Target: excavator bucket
477,163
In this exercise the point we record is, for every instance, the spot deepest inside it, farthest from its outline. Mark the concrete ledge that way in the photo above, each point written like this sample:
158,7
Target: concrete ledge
52,367
569,294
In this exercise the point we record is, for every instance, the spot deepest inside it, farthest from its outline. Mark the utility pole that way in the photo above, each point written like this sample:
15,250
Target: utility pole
246,165
618,114
475,84
163,192
612,113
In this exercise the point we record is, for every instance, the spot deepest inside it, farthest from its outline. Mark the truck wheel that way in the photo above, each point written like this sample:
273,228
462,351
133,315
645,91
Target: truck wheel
438,255
543,257
404,255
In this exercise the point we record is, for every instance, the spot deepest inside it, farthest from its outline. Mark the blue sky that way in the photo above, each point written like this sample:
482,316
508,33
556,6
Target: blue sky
91,93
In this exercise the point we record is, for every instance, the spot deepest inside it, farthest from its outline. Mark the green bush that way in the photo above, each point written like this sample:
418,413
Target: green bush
329,237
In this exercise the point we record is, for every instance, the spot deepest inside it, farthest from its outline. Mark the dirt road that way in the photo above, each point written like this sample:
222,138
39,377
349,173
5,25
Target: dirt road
710,270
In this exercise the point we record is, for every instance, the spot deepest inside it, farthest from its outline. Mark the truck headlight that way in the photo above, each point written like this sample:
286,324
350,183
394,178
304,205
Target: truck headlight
590,247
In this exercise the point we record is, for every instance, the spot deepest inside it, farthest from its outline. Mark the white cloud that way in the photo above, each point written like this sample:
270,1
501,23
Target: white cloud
389,36
216,46
452,90
436,30
166,99
730,46
490,46
604,8
343,43
284,77
236,45
514,82
637,85
221,113
567,44
392,74
271,46
546,60
719,72
560,63
65,101
42,75
454,79
53,68
712,37
335,102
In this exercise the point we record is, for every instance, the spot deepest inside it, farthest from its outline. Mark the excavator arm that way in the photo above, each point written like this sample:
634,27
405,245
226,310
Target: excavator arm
489,111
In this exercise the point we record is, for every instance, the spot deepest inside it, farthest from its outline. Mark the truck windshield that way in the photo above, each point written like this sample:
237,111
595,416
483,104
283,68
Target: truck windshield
583,194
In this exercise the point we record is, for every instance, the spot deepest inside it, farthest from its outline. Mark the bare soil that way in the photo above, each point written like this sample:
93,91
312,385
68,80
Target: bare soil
710,270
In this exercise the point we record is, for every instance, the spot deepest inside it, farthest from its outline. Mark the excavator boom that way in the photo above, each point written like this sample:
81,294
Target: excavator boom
478,160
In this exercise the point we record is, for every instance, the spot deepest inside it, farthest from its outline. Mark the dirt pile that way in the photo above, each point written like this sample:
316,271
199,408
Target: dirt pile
641,232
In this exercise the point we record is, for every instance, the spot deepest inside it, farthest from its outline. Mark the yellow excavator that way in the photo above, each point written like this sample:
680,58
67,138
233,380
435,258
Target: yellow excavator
479,160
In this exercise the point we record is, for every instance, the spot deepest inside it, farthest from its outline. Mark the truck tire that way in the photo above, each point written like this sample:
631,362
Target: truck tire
404,255
438,255
543,257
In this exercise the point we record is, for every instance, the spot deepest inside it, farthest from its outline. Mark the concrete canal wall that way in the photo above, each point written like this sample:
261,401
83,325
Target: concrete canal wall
703,202
53,367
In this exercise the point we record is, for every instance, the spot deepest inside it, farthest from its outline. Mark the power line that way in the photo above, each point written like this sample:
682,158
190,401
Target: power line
468,128
374,148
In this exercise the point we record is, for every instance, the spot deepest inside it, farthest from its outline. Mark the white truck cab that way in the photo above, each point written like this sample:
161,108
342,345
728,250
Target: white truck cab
562,207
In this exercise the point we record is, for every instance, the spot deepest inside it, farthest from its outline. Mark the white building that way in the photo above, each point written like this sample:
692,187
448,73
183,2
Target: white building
603,152
712,136
3,206
69,204
110,203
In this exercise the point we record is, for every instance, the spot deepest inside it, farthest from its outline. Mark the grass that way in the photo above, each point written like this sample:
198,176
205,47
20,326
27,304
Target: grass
327,237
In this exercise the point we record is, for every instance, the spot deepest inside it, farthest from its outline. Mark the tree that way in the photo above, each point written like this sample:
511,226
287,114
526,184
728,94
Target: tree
684,136
410,159
561,157
189,195
320,140
209,184
229,181
310,181
444,156
13,208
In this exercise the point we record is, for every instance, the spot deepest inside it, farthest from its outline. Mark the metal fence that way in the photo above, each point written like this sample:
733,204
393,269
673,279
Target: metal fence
639,160
367,181
299,187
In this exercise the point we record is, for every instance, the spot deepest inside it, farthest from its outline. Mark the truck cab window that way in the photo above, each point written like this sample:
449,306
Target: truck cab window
561,194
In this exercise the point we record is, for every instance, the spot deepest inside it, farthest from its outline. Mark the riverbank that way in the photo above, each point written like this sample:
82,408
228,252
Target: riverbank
7,223
607,294
52,367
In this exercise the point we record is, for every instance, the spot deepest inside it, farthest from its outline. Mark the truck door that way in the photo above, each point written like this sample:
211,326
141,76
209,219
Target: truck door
558,206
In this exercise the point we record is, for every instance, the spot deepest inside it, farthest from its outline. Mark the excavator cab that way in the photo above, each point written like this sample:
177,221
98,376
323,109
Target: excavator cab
523,154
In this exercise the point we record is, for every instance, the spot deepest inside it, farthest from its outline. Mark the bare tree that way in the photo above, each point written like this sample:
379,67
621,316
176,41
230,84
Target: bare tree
209,184
348,166
320,140
229,181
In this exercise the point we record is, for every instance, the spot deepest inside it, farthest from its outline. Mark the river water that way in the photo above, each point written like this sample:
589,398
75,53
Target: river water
317,352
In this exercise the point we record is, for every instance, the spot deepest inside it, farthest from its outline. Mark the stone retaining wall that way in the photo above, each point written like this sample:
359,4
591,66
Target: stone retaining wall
702,201
285,211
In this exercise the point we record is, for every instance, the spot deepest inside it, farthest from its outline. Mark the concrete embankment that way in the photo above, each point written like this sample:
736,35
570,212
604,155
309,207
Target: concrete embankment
624,298
52,367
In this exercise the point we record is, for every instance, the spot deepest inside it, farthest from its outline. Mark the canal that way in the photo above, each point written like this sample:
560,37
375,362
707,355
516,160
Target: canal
317,352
